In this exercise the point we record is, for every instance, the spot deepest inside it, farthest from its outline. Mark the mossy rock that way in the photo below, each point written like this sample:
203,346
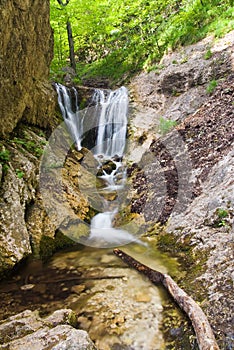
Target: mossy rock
49,245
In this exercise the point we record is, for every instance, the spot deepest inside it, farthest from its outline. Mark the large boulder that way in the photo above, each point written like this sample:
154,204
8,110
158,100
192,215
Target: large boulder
26,50
28,330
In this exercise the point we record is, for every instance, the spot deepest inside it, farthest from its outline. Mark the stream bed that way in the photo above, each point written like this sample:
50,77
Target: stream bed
120,308
116,305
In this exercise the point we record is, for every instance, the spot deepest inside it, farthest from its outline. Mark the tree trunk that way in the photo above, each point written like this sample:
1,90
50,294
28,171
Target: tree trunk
71,46
205,336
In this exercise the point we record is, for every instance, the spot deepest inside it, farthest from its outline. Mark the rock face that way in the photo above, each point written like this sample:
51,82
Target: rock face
26,50
29,331
180,85
185,178
18,190
24,210
208,222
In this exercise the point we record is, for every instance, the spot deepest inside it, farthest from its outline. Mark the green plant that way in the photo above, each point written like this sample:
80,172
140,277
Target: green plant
165,125
19,173
38,152
5,168
184,60
211,86
222,213
221,217
41,133
208,54
4,159
4,156
34,147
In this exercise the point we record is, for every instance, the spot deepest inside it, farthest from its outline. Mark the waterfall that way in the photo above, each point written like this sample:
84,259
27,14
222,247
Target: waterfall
68,103
110,112
112,124
109,109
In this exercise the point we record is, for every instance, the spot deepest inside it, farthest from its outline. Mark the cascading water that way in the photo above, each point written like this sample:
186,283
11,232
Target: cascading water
70,112
109,109
112,125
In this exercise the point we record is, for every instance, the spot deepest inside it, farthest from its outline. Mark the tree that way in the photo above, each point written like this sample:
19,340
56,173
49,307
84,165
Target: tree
70,37
112,39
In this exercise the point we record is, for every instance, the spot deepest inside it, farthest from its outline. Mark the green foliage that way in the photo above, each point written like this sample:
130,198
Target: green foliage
222,218
32,146
4,156
208,54
222,213
165,125
19,173
115,39
211,86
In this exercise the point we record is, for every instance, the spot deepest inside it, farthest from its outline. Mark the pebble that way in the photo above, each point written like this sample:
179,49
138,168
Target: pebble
27,287
78,289
142,297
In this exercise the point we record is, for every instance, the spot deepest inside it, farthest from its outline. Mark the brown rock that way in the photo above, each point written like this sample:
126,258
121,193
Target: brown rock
26,50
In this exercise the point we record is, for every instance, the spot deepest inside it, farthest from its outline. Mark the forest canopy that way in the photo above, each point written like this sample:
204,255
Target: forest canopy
114,39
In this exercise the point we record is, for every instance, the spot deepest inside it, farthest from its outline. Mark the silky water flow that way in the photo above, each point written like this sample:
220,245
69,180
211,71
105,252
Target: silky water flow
109,109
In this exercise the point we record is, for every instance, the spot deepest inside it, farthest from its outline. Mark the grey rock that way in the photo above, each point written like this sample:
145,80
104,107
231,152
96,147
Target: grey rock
178,88
208,233
62,337
28,331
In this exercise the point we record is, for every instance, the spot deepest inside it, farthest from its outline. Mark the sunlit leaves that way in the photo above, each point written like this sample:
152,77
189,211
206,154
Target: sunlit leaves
115,38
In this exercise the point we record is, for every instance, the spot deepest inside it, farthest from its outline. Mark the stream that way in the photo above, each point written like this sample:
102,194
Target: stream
120,309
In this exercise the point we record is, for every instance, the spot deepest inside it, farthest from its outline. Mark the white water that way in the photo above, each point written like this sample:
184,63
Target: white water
112,125
101,229
111,114
70,112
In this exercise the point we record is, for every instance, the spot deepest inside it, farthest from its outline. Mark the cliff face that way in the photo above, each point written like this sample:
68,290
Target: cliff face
26,100
185,176
26,50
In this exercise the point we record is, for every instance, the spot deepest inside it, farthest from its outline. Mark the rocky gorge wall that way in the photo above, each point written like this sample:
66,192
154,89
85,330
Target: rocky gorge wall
26,50
27,98
184,180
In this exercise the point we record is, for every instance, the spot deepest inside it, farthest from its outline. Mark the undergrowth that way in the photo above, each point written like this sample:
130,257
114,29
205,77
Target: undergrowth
114,40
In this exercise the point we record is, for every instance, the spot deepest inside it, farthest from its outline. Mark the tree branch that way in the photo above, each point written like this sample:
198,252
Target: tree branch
204,334
63,4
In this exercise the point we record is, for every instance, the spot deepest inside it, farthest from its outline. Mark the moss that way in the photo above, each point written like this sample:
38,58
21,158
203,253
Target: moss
193,262
62,241
49,245
177,328
72,320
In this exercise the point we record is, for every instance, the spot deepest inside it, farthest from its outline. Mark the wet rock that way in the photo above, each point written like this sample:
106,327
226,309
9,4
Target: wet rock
27,330
142,297
78,289
27,286
61,337
108,259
